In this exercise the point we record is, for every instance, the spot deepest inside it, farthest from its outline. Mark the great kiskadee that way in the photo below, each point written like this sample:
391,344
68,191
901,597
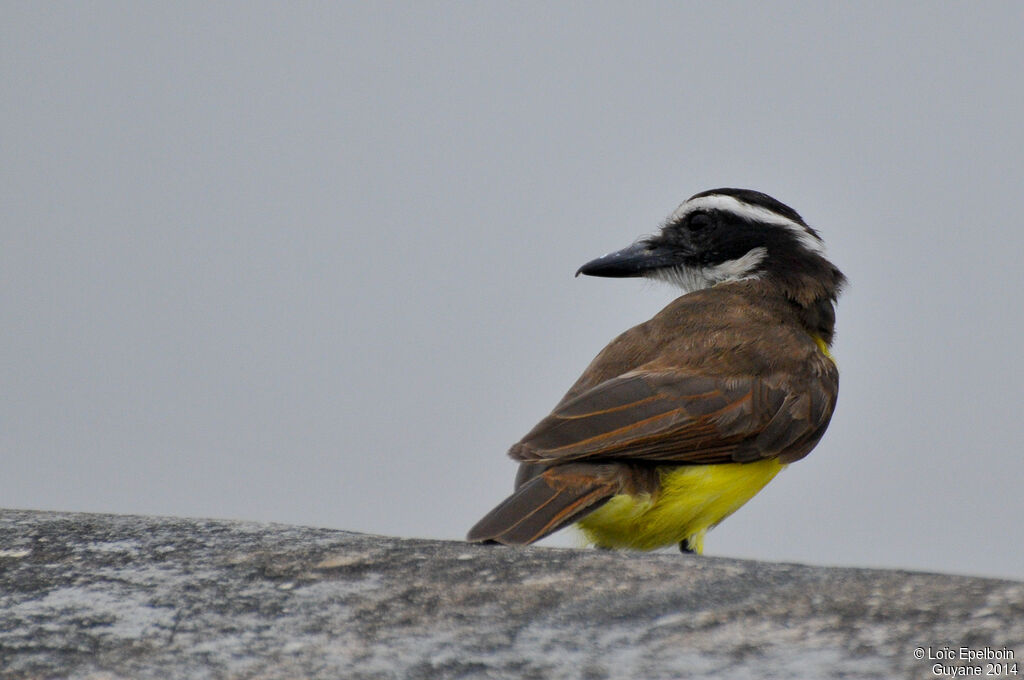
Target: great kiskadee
681,420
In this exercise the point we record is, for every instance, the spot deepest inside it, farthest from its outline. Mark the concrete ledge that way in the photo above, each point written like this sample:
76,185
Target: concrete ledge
106,596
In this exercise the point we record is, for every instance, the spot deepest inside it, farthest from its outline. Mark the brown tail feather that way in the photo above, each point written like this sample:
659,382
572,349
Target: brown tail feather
546,503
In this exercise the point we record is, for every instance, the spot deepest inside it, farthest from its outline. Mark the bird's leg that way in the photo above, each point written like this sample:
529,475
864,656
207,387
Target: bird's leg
684,547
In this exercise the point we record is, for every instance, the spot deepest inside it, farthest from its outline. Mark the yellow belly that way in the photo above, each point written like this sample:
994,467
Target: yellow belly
692,499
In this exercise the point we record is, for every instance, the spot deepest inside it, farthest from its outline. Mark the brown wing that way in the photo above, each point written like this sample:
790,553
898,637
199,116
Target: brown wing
675,416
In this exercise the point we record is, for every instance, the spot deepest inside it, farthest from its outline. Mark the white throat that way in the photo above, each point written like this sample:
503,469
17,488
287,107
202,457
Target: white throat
697,278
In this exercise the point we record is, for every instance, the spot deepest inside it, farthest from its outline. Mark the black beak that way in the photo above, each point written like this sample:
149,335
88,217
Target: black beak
636,260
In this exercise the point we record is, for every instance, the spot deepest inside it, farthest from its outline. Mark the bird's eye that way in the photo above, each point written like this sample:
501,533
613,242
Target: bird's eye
698,222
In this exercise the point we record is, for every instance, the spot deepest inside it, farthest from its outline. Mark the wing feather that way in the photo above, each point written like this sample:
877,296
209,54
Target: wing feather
674,416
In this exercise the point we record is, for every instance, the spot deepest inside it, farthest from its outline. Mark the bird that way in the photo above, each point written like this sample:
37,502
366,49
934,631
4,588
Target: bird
681,420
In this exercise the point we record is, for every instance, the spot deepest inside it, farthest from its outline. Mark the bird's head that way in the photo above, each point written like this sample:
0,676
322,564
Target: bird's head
727,235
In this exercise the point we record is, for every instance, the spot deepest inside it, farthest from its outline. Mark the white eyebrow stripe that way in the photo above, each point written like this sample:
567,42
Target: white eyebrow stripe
754,213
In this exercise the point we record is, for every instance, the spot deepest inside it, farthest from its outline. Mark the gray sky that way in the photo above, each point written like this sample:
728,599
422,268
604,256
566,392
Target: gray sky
313,263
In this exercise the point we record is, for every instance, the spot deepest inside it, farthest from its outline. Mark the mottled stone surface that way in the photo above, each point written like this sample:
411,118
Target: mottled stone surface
105,596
